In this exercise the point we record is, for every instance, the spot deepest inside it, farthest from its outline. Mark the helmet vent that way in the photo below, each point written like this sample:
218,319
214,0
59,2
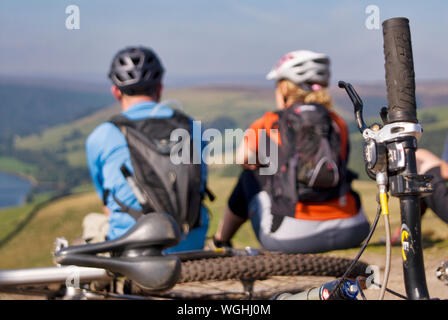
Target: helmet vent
146,74
119,77
135,60
321,61
156,75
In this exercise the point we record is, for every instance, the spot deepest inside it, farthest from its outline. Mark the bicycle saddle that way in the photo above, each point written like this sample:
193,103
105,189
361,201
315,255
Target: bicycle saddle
137,254
153,230
153,273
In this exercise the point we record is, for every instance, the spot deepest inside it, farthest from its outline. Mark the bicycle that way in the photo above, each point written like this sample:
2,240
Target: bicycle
389,152
140,250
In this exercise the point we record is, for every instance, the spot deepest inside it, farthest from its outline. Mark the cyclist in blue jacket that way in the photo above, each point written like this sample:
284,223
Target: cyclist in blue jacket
138,90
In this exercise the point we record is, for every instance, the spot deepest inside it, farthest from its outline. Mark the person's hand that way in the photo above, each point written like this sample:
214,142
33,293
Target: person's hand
221,244
106,210
249,166
245,154
444,170
427,160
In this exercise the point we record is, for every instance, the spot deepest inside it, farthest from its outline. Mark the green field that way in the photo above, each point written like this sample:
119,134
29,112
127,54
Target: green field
66,141
11,165
31,247
210,105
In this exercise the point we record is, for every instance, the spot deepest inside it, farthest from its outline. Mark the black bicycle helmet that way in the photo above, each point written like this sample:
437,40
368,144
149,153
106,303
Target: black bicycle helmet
136,70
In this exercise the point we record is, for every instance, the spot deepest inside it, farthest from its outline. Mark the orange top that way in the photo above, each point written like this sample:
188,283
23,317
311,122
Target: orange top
343,207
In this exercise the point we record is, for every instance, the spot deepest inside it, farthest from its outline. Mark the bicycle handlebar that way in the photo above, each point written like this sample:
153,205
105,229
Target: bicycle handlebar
400,82
400,76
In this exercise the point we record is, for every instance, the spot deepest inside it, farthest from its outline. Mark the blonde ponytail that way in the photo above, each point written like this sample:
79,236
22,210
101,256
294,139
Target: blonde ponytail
296,94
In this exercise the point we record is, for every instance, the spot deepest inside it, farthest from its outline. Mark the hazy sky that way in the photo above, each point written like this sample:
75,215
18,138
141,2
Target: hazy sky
214,37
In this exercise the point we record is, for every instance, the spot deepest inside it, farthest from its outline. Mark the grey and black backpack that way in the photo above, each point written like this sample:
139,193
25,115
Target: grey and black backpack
158,184
311,168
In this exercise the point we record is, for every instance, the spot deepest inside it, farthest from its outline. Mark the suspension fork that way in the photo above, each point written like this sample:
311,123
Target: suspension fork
408,187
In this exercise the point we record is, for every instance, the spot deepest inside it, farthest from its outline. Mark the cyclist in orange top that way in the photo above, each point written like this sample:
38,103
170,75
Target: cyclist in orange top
329,218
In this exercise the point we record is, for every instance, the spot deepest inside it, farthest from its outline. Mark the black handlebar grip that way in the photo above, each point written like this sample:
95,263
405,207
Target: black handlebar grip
399,65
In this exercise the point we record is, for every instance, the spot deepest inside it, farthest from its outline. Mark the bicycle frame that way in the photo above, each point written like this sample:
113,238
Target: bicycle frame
9,279
389,150
51,275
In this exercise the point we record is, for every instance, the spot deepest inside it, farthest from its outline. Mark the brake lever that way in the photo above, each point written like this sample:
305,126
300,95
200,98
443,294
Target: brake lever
357,104
374,153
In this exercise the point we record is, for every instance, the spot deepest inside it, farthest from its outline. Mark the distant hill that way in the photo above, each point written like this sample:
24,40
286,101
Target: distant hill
31,105
28,108
57,154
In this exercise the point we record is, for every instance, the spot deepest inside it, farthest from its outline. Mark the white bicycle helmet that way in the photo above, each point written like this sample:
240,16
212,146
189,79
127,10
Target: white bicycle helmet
302,67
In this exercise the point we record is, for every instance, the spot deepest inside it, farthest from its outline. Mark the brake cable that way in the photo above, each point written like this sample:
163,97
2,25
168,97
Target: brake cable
361,292
384,209
361,251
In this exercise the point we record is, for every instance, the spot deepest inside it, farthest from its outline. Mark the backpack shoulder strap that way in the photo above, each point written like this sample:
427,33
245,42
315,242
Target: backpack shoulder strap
120,120
282,122
136,214
181,114
343,134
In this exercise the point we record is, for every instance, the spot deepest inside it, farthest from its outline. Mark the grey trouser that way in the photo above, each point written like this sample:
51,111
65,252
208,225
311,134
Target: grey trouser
305,236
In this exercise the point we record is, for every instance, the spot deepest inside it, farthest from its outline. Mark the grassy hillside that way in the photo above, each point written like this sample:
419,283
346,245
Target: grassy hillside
31,108
52,146
9,164
66,143
216,107
32,246
67,140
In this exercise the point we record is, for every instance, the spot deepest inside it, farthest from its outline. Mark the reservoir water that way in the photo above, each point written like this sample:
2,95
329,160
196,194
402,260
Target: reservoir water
13,190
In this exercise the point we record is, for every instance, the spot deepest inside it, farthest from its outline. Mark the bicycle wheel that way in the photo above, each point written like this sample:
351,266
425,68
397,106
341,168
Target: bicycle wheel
259,276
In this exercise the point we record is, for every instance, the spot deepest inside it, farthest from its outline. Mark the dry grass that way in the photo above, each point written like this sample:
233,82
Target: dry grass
33,245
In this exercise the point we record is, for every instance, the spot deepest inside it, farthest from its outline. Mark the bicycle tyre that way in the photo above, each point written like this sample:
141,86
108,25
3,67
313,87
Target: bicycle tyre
260,267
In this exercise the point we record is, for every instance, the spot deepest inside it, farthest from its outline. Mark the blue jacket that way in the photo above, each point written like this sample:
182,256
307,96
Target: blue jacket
107,150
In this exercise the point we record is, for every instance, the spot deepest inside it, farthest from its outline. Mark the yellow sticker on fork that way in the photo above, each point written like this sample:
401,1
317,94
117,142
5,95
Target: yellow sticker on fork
404,243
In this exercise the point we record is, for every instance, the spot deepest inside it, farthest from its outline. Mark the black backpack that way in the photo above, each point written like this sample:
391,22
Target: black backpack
159,184
310,165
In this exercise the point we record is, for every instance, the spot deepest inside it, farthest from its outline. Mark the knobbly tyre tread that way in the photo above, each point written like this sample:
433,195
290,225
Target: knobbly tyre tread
263,266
